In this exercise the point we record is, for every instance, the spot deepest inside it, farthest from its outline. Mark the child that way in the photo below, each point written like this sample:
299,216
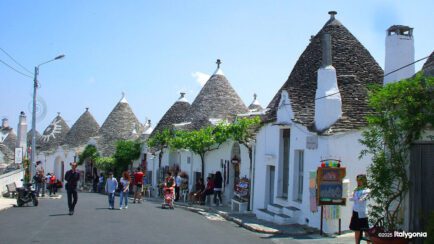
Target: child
110,187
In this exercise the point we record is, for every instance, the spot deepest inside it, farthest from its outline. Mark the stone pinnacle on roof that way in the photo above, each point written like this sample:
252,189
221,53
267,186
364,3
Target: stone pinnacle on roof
82,130
355,69
182,97
255,106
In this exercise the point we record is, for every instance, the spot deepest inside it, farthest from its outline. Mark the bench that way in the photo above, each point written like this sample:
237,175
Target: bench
242,206
12,189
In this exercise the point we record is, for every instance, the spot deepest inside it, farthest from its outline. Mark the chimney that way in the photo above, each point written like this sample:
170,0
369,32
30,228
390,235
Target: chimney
22,132
5,123
328,102
399,53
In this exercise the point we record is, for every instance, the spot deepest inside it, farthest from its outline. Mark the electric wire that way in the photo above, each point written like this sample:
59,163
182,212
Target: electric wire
381,76
16,69
16,61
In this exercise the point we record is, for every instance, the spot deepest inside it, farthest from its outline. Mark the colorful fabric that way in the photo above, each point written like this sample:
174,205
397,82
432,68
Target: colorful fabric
312,192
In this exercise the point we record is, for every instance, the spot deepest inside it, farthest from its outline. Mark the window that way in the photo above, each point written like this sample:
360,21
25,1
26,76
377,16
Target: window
298,175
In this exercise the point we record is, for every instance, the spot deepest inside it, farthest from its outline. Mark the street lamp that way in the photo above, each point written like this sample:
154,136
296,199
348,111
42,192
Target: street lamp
35,86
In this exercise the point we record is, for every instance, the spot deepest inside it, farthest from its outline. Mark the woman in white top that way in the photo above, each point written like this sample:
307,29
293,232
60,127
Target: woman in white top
359,219
125,182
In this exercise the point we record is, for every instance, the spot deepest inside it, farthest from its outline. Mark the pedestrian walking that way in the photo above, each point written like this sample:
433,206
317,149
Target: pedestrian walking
218,185
138,185
125,188
52,184
95,180
100,182
39,179
72,176
178,182
359,219
110,187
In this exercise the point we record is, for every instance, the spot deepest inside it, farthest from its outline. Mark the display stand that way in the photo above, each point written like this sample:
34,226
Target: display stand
241,195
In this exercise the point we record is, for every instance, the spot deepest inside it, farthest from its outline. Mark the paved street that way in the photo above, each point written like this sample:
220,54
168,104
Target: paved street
141,223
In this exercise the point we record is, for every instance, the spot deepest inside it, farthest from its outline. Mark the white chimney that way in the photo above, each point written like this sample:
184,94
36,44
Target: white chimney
22,132
399,53
328,102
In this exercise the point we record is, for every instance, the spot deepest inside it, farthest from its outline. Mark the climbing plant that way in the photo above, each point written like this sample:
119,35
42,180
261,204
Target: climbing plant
90,153
401,112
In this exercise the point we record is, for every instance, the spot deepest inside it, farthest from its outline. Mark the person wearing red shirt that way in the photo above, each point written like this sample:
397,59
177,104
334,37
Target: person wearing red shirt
53,184
208,190
138,185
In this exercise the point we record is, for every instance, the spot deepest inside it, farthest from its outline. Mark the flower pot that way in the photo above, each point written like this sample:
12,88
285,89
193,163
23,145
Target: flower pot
389,240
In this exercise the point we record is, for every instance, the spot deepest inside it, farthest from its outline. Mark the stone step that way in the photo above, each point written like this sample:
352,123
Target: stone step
266,215
291,211
283,219
275,208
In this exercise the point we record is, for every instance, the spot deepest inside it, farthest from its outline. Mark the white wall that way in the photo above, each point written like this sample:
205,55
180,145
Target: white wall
8,178
344,146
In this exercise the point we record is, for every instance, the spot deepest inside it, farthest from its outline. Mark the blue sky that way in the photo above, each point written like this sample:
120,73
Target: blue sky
151,50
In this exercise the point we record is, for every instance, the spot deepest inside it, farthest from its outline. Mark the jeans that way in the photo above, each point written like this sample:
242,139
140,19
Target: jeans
38,187
53,188
122,196
72,193
111,199
219,195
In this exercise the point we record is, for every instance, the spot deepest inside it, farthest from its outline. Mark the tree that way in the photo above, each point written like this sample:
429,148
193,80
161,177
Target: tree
201,141
243,131
105,163
90,153
126,152
159,142
401,112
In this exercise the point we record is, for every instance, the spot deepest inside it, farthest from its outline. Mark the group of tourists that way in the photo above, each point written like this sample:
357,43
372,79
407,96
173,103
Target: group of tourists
123,186
214,186
43,182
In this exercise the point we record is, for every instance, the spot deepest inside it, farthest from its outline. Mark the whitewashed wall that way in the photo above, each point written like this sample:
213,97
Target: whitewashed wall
8,178
268,153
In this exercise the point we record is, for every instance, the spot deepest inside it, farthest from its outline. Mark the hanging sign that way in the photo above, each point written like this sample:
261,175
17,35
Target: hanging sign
329,183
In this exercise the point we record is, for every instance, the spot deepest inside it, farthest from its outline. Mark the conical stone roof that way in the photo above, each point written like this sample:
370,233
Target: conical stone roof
54,135
6,154
121,124
216,100
29,137
355,69
176,114
82,130
428,66
11,140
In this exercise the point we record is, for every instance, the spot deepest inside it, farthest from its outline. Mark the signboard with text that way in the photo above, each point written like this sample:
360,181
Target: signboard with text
329,185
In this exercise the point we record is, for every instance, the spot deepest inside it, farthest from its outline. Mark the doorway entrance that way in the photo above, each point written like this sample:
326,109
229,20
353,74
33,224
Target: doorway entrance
270,185
422,180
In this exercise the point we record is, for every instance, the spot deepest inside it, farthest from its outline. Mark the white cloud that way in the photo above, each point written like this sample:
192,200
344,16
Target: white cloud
91,80
200,77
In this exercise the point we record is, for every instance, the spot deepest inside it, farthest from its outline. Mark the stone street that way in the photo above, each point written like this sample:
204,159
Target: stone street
140,223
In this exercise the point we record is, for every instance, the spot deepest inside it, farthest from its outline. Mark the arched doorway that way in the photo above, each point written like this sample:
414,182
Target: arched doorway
233,171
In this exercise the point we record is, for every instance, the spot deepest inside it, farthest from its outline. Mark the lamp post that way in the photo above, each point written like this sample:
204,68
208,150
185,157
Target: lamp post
35,86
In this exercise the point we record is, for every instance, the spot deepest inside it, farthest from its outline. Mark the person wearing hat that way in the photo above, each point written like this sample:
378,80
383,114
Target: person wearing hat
72,176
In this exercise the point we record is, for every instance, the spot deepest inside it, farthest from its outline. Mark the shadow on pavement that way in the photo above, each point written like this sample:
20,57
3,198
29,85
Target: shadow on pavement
55,215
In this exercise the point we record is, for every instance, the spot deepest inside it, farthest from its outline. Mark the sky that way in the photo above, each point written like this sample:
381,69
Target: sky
153,50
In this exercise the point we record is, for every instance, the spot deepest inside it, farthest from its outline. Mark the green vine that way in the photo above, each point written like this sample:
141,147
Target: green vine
402,111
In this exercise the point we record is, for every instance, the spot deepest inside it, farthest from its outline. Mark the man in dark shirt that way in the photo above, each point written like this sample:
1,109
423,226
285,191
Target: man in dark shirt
72,176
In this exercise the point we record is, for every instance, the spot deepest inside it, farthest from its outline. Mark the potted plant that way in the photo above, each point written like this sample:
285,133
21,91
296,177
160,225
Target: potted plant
401,111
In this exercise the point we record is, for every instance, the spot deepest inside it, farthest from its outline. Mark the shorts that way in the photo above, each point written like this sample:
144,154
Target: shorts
138,188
